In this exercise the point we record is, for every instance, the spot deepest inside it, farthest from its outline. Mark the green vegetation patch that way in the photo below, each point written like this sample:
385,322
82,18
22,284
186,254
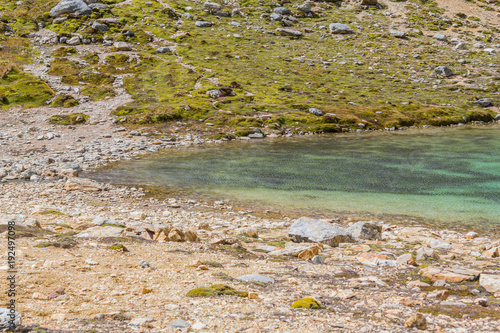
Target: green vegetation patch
307,303
51,212
20,88
69,119
216,289
65,101
472,311
97,93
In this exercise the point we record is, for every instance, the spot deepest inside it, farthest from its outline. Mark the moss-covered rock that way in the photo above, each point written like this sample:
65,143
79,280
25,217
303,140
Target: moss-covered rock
65,101
216,289
69,119
307,303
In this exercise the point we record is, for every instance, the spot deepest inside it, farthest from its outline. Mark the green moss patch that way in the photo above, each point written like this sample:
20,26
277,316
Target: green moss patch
97,93
69,119
20,88
216,289
118,247
472,311
65,101
51,212
307,303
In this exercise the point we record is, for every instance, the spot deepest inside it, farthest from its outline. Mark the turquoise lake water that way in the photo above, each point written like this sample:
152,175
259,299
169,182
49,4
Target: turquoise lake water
451,175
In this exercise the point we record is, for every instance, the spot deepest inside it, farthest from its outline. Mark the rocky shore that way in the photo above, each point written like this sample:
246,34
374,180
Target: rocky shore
100,258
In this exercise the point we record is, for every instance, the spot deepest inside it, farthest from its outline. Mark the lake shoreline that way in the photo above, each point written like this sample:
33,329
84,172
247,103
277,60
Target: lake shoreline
106,269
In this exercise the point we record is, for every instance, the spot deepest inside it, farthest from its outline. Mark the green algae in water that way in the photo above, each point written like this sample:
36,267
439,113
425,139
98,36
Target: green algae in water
449,175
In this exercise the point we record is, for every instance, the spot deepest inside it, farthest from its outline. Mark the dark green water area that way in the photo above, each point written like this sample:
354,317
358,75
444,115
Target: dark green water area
447,175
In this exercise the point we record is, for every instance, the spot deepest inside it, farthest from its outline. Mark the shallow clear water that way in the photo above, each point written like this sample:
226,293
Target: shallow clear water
448,175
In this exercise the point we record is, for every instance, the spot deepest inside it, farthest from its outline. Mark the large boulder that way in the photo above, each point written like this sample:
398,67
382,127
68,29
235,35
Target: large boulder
366,230
311,230
72,8
490,282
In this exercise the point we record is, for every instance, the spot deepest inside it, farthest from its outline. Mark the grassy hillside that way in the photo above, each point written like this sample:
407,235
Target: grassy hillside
368,79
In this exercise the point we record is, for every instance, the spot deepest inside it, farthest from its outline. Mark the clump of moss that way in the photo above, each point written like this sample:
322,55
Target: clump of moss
216,289
51,212
64,51
473,311
118,247
65,101
19,88
97,93
307,303
60,242
69,119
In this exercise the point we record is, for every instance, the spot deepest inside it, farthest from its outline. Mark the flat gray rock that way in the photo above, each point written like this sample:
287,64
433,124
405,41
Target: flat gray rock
179,323
72,8
440,37
163,49
314,231
289,32
203,24
255,278
397,33
340,28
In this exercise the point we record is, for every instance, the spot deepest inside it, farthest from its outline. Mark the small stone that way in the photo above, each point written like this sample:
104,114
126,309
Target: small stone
440,37
440,294
122,46
444,71
471,235
482,302
140,321
198,326
145,291
289,32
39,296
319,260
397,33
417,321
255,278
485,102
179,323
163,49
203,24
340,28
316,112
253,295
